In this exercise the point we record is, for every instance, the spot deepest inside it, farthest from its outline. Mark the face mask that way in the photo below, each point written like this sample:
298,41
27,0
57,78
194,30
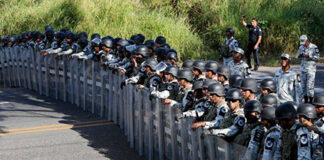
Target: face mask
251,119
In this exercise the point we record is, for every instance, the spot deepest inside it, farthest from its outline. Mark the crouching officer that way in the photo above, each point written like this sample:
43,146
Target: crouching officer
234,120
253,131
294,142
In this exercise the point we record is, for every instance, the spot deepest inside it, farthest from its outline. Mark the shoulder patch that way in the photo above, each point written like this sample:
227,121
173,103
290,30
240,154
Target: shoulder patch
303,140
241,122
258,135
321,140
170,87
269,143
207,104
316,50
222,111
142,69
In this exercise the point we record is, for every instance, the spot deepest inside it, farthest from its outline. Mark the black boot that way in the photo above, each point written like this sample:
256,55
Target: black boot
305,99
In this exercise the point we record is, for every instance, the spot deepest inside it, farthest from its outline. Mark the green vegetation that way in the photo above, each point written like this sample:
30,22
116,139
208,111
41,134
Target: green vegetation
193,27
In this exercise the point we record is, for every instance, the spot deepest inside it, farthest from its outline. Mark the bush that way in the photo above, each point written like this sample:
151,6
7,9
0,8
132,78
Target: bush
118,18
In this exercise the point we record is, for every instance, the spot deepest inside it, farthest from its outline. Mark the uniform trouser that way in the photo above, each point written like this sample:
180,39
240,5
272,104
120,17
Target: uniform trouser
227,60
307,82
250,49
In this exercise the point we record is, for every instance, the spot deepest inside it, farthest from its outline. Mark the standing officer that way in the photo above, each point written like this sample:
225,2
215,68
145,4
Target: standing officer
287,81
309,54
237,65
255,36
229,44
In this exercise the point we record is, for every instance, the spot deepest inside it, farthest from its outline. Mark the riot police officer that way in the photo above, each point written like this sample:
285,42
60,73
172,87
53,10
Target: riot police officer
198,69
268,86
269,100
169,89
223,75
234,120
249,89
294,142
185,96
253,131
270,143
211,70
216,93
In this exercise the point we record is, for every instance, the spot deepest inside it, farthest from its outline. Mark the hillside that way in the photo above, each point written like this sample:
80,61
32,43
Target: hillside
195,28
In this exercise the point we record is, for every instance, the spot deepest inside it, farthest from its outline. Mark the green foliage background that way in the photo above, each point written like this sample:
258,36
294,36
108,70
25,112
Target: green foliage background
195,28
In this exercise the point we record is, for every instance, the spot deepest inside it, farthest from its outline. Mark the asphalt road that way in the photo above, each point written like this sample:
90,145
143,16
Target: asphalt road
36,127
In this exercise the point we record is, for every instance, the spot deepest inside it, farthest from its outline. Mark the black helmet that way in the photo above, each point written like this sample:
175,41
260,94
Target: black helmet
96,42
252,106
185,74
224,71
173,70
199,65
286,111
234,78
160,40
319,100
161,53
83,42
150,44
95,35
212,66
172,55
165,45
139,39
268,84
49,34
269,100
64,30
142,50
238,83
269,114
234,94
150,62
216,88
198,85
208,82
107,42
48,27
122,42
37,35
70,35
307,110
60,35
249,84
187,64
230,30
83,35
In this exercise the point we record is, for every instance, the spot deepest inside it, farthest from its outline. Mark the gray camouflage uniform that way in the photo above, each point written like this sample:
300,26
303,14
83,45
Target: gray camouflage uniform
240,68
222,110
235,128
232,43
308,68
270,149
288,85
